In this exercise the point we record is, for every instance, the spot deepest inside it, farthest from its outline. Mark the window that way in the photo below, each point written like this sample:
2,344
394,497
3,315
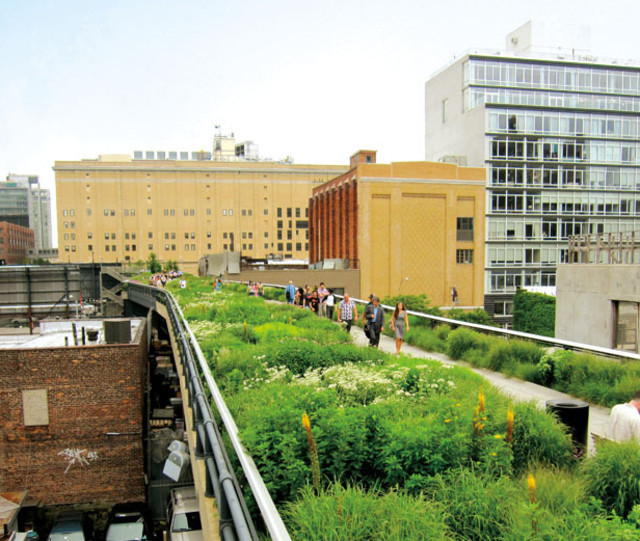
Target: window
280,248
265,212
88,212
150,247
230,212
106,212
90,247
626,319
112,212
89,235
126,236
208,212
150,234
106,236
288,212
279,212
464,256
149,212
464,228
244,212
126,212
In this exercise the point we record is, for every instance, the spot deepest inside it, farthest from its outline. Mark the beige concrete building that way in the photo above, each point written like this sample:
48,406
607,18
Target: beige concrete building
115,208
410,227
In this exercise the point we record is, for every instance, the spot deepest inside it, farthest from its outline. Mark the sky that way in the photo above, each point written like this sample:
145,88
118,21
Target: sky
316,81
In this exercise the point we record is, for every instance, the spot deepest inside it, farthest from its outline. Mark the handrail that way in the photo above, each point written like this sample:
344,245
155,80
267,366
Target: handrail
508,333
235,520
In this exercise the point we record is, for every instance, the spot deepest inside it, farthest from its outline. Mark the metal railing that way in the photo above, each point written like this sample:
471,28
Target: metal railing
221,481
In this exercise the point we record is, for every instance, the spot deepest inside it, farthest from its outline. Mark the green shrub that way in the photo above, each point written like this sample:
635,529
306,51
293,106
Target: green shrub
538,438
462,340
534,313
352,513
479,506
613,475
477,315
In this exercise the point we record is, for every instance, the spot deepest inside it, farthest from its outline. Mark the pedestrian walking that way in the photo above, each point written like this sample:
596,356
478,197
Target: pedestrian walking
290,292
347,312
399,324
330,301
375,319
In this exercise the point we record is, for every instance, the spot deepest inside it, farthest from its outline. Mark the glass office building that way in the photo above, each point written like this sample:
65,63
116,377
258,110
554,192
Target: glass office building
559,135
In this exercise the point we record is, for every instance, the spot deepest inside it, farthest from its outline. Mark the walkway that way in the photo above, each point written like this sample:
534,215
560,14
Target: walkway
516,389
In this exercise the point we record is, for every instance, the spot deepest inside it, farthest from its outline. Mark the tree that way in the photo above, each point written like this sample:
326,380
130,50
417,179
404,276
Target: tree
153,263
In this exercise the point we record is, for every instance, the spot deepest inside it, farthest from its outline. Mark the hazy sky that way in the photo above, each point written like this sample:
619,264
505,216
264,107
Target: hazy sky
314,80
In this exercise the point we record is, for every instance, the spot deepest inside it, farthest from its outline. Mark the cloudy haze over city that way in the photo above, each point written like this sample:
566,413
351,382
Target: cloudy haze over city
314,81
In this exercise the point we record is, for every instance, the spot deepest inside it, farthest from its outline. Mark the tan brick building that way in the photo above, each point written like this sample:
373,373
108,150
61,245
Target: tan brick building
411,227
115,208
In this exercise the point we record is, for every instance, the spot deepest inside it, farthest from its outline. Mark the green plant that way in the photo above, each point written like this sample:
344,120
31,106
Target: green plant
153,264
534,313
351,513
613,475
462,340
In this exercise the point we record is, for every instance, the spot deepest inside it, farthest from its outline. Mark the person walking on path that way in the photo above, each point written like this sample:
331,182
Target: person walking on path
375,319
322,297
347,312
366,315
625,420
290,292
399,324
454,295
330,301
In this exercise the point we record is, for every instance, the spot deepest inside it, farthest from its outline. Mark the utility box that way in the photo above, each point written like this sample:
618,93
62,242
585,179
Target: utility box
117,331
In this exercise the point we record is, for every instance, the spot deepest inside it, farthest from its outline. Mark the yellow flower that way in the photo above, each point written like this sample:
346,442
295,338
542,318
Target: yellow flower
497,436
481,400
531,484
447,420
305,422
494,454
509,424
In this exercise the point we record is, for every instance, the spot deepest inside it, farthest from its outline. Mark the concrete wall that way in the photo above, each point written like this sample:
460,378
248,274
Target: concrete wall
461,133
347,280
585,300
86,393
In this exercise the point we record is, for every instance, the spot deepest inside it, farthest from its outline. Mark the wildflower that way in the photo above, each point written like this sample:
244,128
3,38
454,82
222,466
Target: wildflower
480,400
447,420
531,484
509,424
494,454
497,436
313,453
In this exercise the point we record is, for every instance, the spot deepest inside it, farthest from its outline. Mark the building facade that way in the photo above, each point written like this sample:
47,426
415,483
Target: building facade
559,134
16,243
117,209
410,227
71,425
23,202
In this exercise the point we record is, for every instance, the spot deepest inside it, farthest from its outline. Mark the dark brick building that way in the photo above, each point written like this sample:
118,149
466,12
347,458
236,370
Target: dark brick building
71,422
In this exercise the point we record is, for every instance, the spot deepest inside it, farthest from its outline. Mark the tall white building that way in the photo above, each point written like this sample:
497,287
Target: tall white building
559,133
24,202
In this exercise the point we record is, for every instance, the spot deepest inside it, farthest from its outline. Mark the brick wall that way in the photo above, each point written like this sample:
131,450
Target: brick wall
91,391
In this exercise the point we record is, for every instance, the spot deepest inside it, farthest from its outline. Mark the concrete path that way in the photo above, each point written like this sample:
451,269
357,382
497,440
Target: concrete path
518,390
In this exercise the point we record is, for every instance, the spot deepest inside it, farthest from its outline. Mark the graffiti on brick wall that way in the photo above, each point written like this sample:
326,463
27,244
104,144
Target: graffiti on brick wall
78,457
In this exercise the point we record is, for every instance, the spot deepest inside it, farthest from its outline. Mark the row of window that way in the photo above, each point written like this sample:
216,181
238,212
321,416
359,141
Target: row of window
614,152
186,212
566,124
591,203
509,280
552,77
547,228
473,97
564,176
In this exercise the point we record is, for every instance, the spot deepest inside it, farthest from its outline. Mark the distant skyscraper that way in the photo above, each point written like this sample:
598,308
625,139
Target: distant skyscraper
559,133
23,202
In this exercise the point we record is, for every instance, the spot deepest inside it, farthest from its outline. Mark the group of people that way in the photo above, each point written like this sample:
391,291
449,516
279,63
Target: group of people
255,289
319,299
373,319
160,279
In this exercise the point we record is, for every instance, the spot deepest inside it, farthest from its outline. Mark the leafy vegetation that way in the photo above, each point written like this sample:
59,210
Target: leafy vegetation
534,313
405,448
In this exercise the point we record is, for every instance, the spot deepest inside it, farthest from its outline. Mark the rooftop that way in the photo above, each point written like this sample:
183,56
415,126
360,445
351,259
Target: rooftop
59,333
